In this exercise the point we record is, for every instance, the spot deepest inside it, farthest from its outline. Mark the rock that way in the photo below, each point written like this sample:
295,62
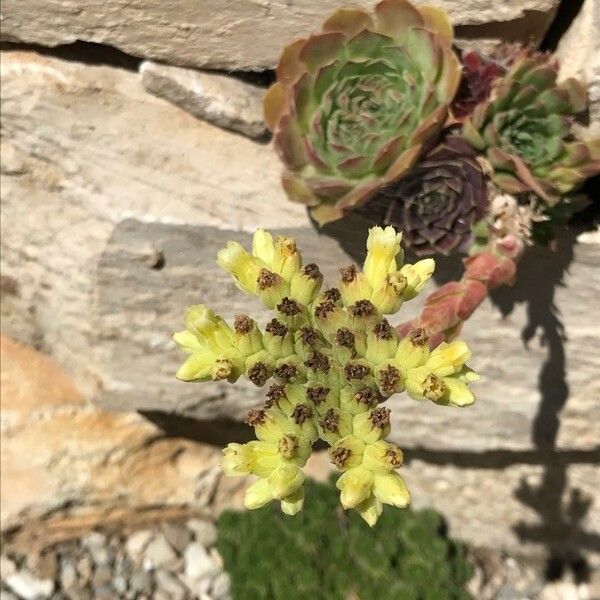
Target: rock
224,101
198,563
142,582
159,553
238,36
29,587
68,574
220,587
177,536
137,542
171,585
95,539
579,56
7,567
85,568
205,532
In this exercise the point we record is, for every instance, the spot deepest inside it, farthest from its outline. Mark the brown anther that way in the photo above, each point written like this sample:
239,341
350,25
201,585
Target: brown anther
362,308
286,372
312,271
276,327
394,457
302,412
243,324
317,394
355,370
418,337
433,387
288,446
276,392
318,362
256,416
380,417
324,308
389,379
308,335
332,295
258,374
266,279
344,337
383,330
222,369
368,396
339,456
349,273
288,307
330,421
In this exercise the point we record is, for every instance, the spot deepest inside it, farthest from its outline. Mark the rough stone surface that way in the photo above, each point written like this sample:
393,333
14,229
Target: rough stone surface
224,101
579,55
99,463
111,235
237,35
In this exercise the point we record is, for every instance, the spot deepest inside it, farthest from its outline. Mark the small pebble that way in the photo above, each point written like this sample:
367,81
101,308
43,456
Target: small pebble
137,542
94,540
159,553
198,563
25,584
68,574
205,532
141,581
170,584
177,535
220,587
7,567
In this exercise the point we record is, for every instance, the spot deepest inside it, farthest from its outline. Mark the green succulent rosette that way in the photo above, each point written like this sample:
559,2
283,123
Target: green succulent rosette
354,105
524,131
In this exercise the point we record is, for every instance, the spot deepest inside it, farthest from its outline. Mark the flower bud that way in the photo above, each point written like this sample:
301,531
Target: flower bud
258,494
306,340
383,246
370,510
302,416
373,425
285,480
247,335
292,504
271,288
277,339
422,384
263,247
382,342
292,313
197,367
413,350
259,367
244,267
448,359
305,284
356,371
389,378
347,453
321,397
355,486
457,392
329,316
363,315
287,261
390,489
335,424
236,459
317,363
289,370
204,323
270,425
388,298
224,368
265,457
417,276
353,285
382,457
356,399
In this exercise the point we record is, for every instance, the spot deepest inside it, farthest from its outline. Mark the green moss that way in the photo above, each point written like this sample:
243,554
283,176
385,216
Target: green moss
323,553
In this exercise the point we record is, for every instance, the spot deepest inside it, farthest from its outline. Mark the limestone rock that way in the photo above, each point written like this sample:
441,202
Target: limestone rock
237,35
224,101
579,55
58,451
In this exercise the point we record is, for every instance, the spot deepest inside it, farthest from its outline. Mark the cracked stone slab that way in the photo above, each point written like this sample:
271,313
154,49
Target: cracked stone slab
240,35
224,101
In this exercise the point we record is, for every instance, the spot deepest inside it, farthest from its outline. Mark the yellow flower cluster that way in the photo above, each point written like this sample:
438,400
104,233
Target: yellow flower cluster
332,359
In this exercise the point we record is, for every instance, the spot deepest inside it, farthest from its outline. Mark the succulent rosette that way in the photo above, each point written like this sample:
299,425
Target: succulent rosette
524,130
438,201
354,105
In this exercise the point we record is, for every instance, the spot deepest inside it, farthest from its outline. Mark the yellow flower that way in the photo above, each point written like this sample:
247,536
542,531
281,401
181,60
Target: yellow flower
285,480
292,504
258,494
417,276
244,267
355,486
305,284
237,459
370,510
388,298
383,246
287,261
354,285
448,359
390,488
382,457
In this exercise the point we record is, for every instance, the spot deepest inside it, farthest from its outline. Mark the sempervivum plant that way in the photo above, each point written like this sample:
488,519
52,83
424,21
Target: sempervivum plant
524,131
332,359
354,105
438,201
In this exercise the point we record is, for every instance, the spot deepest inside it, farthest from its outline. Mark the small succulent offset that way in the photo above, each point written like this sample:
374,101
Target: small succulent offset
354,106
524,131
331,359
